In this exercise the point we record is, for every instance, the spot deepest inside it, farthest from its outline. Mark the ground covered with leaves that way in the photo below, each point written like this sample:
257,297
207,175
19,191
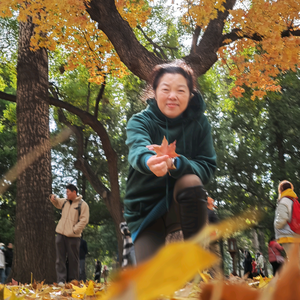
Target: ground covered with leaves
178,271
283,286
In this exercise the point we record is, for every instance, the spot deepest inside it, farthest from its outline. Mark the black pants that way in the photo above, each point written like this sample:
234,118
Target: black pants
153,237
67,247
276,266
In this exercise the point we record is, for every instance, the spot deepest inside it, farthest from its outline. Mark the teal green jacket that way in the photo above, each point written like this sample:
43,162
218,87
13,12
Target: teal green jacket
194,144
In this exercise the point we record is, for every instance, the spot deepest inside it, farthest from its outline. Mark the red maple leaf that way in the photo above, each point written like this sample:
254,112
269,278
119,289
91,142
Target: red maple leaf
166,149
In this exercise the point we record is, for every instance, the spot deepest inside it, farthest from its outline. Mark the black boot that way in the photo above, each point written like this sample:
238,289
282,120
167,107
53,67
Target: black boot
193,209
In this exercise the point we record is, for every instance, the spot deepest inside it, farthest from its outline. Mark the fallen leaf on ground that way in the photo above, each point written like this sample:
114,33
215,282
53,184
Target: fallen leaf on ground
166,272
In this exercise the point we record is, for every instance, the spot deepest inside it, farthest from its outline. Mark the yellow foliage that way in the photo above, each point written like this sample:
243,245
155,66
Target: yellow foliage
255,64
66,23
274,53
202,11
166,272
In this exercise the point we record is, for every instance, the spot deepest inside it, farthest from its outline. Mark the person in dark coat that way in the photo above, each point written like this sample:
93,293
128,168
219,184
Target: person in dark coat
212,216
83,251
8,258
165,192
98,271
248,264
214,247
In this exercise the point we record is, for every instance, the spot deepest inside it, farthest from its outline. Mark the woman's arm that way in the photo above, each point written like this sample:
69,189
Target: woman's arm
138,138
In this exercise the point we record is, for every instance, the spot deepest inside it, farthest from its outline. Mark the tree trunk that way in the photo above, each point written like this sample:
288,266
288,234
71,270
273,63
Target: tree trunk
254,239
34,232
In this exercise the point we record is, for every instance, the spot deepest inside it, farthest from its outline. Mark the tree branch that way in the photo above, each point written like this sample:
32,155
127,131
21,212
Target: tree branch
156,46
99,97
81,164
238,34
206,52
255,195
195,39
92,121
8,97
136,57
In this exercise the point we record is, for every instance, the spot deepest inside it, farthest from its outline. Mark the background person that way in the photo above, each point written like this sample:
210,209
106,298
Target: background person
212,216
83,251
214,247
254,270
69,229
2,263
283,214
105,273
166,194
260,263
98,271
8,258
248,264
275,255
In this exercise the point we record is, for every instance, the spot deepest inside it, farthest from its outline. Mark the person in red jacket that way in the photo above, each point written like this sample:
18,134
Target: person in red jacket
275,257
254,272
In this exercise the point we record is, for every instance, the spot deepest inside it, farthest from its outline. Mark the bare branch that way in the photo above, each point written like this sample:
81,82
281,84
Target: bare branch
238,34
99,97
156,46
81,164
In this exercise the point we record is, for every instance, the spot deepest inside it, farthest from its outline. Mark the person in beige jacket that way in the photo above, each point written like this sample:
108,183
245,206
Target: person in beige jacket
74,217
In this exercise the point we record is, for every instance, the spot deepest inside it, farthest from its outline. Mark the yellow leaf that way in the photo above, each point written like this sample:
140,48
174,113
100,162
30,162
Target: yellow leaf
7,293
205,277
166,272
90,289
263,281
13,296
228,227
79,292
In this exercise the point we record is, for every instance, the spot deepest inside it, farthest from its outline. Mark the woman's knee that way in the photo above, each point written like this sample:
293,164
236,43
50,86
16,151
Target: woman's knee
186,181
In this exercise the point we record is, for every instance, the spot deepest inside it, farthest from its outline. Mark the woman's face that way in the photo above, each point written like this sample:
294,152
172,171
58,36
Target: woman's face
172,95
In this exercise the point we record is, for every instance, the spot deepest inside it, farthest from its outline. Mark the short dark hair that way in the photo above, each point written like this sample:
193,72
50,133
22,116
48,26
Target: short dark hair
272,239
72,187
176,67
285,186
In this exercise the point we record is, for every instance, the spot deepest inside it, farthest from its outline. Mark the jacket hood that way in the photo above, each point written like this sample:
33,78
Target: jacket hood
287,193
195,108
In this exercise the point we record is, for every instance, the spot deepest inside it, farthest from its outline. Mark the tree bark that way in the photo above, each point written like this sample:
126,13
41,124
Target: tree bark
141,61
34,232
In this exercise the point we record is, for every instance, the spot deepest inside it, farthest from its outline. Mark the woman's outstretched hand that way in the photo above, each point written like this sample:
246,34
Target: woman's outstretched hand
158,165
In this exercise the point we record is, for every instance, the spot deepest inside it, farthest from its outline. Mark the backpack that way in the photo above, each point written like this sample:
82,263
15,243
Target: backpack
78,207
295,220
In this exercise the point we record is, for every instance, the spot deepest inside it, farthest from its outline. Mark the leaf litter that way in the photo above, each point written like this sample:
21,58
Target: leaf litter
178,271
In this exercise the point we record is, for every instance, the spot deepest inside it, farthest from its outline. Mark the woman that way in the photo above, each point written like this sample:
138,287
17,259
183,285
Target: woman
275,257
166,194
248,264
98,271
283,214
254,272
105,274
